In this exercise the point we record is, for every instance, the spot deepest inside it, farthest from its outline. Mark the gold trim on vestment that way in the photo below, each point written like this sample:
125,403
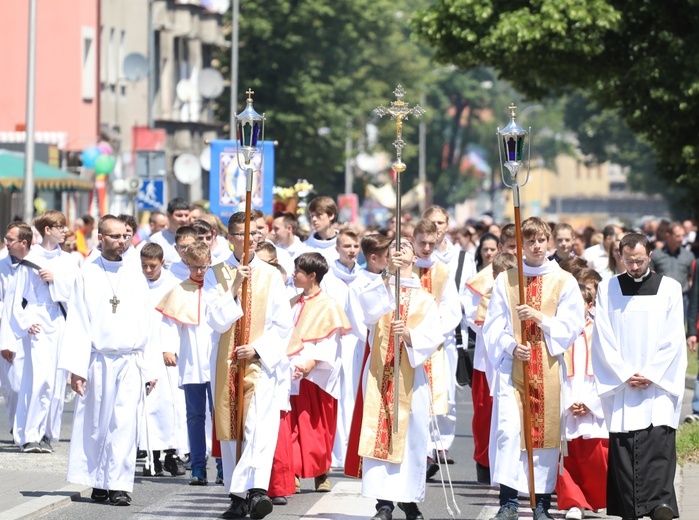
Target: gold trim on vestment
433,280
569,355
182,303
543,294
482,281
224,393
377,440
319,318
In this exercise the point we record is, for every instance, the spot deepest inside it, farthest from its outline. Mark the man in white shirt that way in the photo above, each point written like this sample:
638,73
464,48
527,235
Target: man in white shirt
289,246
323,213
597,257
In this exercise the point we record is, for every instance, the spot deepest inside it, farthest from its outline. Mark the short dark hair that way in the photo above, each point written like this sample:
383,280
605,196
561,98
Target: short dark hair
425,226
185,231
24,231
267,246
87,220
202,227
609,231
236,218
374,245
129,220
507,232
289,219
103,221
632,240
588,276
175,204
152,250
312,263
155,214
256,213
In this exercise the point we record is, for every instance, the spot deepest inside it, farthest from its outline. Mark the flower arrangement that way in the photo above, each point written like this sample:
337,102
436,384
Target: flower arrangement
293,199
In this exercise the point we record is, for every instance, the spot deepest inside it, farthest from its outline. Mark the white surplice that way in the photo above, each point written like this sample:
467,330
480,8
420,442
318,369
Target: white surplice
116,352
645,335
41,393
450,312
10,373
404,482
508,462
327,248
254,468
163,422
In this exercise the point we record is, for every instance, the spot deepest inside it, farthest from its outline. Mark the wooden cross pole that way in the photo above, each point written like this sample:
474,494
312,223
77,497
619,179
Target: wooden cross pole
399,111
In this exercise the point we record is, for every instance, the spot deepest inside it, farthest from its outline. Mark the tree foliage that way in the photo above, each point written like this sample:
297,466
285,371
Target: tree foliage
317,65
634,58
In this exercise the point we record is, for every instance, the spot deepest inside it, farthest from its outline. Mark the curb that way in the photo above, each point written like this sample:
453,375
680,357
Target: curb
48,501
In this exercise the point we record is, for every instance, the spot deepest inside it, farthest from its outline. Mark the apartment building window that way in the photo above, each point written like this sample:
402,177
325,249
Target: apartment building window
89,64
122,56
181,59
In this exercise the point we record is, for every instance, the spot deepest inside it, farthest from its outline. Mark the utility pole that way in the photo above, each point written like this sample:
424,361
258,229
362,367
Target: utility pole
29,124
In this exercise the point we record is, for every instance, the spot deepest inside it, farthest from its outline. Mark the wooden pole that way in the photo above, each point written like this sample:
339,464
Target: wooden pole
526,403
240,383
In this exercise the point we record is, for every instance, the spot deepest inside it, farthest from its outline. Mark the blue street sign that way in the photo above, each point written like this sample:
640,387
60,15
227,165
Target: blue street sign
151,196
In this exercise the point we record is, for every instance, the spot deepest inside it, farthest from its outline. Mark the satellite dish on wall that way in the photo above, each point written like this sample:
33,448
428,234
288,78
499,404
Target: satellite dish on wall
205,158
135,67
184,90
210,83
187,168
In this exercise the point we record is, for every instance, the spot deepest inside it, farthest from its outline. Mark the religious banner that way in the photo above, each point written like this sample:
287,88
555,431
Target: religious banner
227,179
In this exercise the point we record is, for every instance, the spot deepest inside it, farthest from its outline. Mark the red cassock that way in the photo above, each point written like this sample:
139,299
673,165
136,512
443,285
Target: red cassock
482,413
353,462
281,482
313,422
583,483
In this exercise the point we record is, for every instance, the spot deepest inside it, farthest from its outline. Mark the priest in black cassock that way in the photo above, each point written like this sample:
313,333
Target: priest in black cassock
639,359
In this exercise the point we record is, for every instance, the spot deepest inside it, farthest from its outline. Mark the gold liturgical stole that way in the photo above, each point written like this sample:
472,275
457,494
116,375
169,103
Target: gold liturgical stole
541,293
483,281
569,355
377,440
225,391
182,303
319,318
433,280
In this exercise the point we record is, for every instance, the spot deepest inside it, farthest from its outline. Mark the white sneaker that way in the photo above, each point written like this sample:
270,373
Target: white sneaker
691,418
574,513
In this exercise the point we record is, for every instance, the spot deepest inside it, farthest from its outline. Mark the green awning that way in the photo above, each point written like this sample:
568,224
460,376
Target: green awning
46,177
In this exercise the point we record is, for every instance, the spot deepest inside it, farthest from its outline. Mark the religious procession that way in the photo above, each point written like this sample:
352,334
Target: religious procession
487,323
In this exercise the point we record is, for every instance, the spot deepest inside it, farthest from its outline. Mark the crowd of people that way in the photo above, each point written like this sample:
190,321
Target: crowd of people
283,355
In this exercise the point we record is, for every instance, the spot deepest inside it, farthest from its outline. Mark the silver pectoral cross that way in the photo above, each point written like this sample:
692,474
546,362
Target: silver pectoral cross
114,301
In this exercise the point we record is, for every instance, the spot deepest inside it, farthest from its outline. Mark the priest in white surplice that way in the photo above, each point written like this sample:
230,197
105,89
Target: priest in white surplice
639,359
108,347
393,465
554,315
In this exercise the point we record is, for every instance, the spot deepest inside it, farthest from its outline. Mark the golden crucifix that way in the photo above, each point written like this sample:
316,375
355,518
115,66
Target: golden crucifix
399,111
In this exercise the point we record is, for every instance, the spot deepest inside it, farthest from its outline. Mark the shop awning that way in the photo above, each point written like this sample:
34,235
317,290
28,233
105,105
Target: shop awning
46,177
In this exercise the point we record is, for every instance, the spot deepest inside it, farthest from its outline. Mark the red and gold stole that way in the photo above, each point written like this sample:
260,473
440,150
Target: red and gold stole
377,440
541,293
225,391
569,355
433,280
182,303
319,317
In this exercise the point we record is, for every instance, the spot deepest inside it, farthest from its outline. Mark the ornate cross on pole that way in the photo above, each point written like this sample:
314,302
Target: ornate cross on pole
399,111
114,301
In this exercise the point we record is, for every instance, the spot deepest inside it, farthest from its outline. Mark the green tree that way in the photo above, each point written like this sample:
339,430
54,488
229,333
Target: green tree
315,65
636,58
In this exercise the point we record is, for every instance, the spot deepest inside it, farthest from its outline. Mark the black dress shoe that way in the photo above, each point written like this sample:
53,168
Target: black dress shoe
383,513
119,498
662,512
141,454
411,511
280,501
237,510
174,465
99,495
432,468
482,474
259,504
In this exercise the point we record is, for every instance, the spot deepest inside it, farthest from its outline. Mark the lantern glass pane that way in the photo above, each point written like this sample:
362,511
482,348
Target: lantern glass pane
520,147
511,149
255,133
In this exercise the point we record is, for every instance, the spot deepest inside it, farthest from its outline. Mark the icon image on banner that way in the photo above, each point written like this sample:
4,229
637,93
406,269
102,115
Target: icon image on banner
232,185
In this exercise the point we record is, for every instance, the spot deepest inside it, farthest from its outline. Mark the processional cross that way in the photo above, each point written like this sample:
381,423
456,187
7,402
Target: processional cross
399,111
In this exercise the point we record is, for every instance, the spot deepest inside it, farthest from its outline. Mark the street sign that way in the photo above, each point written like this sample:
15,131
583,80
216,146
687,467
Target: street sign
151,196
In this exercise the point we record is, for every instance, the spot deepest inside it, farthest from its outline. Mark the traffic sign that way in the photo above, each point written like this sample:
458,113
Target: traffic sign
151,196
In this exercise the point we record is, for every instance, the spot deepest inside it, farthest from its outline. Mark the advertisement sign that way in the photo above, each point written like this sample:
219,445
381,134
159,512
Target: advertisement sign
227,181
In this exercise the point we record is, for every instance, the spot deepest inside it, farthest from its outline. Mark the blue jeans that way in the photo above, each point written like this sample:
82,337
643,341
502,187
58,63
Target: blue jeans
195,397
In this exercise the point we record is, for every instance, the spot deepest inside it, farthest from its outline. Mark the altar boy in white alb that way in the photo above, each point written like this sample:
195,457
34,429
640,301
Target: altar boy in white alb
554,317
640,360
108,347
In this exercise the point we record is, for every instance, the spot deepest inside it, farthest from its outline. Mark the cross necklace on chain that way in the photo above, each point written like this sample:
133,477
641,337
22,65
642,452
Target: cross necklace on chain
113,300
